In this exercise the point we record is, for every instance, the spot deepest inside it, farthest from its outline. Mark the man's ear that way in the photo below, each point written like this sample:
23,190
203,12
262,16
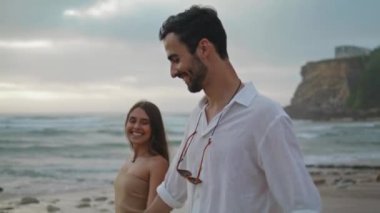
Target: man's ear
204,48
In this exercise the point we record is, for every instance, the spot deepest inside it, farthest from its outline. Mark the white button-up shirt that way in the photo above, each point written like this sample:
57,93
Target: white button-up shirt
253,164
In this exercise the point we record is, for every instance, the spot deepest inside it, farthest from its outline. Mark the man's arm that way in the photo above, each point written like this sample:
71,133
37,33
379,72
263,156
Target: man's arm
158,205
287,176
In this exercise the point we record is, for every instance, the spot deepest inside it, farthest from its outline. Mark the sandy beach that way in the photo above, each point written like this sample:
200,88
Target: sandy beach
348,190
343,189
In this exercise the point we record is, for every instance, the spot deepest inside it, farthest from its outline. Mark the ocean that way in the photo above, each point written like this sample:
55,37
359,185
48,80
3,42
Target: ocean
43,154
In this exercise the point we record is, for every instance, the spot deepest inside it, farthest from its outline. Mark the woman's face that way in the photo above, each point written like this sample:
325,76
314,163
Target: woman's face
138,127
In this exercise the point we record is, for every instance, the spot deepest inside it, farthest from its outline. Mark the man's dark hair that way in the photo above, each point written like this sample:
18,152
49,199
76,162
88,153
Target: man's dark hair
194,24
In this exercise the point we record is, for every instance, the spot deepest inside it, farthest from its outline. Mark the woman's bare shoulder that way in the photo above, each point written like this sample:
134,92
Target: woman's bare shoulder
158,161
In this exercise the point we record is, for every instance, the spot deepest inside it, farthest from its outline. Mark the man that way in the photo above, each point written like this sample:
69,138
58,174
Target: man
240,153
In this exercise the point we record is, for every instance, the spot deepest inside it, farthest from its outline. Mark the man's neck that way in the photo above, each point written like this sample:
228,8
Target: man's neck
220,92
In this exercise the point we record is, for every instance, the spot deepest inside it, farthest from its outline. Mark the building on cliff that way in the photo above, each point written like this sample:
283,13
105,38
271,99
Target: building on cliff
348,51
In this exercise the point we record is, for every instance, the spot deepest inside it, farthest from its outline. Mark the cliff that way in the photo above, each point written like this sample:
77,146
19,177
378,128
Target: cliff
326,88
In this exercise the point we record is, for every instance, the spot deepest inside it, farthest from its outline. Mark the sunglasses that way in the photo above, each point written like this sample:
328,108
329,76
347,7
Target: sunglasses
186,173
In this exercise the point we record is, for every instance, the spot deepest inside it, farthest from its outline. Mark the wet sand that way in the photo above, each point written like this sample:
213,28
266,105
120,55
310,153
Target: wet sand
343,189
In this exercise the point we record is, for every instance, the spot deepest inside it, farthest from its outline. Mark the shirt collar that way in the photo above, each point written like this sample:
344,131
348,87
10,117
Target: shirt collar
244,97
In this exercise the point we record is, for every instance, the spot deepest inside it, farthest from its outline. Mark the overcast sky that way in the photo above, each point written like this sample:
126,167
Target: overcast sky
102,56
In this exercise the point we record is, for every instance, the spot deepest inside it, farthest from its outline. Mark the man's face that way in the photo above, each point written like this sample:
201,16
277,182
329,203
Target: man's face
183,64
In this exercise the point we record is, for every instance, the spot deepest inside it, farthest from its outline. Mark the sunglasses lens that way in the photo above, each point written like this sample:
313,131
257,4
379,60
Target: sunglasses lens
194,180
184,173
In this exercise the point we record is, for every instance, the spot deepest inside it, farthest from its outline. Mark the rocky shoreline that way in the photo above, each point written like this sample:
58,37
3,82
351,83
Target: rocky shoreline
343,188
100,200
302,112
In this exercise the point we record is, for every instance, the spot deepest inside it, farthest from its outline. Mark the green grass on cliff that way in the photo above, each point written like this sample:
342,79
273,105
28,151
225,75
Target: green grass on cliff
367,94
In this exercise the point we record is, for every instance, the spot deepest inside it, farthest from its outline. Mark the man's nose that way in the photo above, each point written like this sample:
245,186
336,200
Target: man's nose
173,71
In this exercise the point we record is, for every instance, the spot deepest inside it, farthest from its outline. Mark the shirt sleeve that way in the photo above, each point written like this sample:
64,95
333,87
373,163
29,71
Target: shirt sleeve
173,189
283,164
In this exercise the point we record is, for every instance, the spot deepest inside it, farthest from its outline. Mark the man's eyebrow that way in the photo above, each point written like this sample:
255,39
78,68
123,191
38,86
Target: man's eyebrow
171,56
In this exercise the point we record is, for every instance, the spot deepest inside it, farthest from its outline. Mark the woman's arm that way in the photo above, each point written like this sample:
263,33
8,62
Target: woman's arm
157,170
158,205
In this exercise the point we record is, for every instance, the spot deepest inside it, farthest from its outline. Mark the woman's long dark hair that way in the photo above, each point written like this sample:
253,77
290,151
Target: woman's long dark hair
158,142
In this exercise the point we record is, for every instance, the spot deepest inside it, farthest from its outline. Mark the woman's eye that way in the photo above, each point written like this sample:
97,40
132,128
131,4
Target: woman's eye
145,122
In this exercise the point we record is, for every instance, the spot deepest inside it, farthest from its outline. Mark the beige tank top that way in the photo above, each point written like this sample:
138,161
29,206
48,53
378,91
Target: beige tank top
131,193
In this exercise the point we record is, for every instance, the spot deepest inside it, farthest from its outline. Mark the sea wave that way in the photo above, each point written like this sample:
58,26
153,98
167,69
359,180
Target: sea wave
24,172
111,132
66,151
56,148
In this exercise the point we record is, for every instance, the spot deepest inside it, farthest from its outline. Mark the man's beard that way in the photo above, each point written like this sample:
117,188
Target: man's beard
199,71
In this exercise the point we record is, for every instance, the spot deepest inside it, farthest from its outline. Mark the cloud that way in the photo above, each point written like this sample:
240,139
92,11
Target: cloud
96,96
100,9
99,55
110,8
86,59
25,44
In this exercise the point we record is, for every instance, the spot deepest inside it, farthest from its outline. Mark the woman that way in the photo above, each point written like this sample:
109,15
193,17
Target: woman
137,180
